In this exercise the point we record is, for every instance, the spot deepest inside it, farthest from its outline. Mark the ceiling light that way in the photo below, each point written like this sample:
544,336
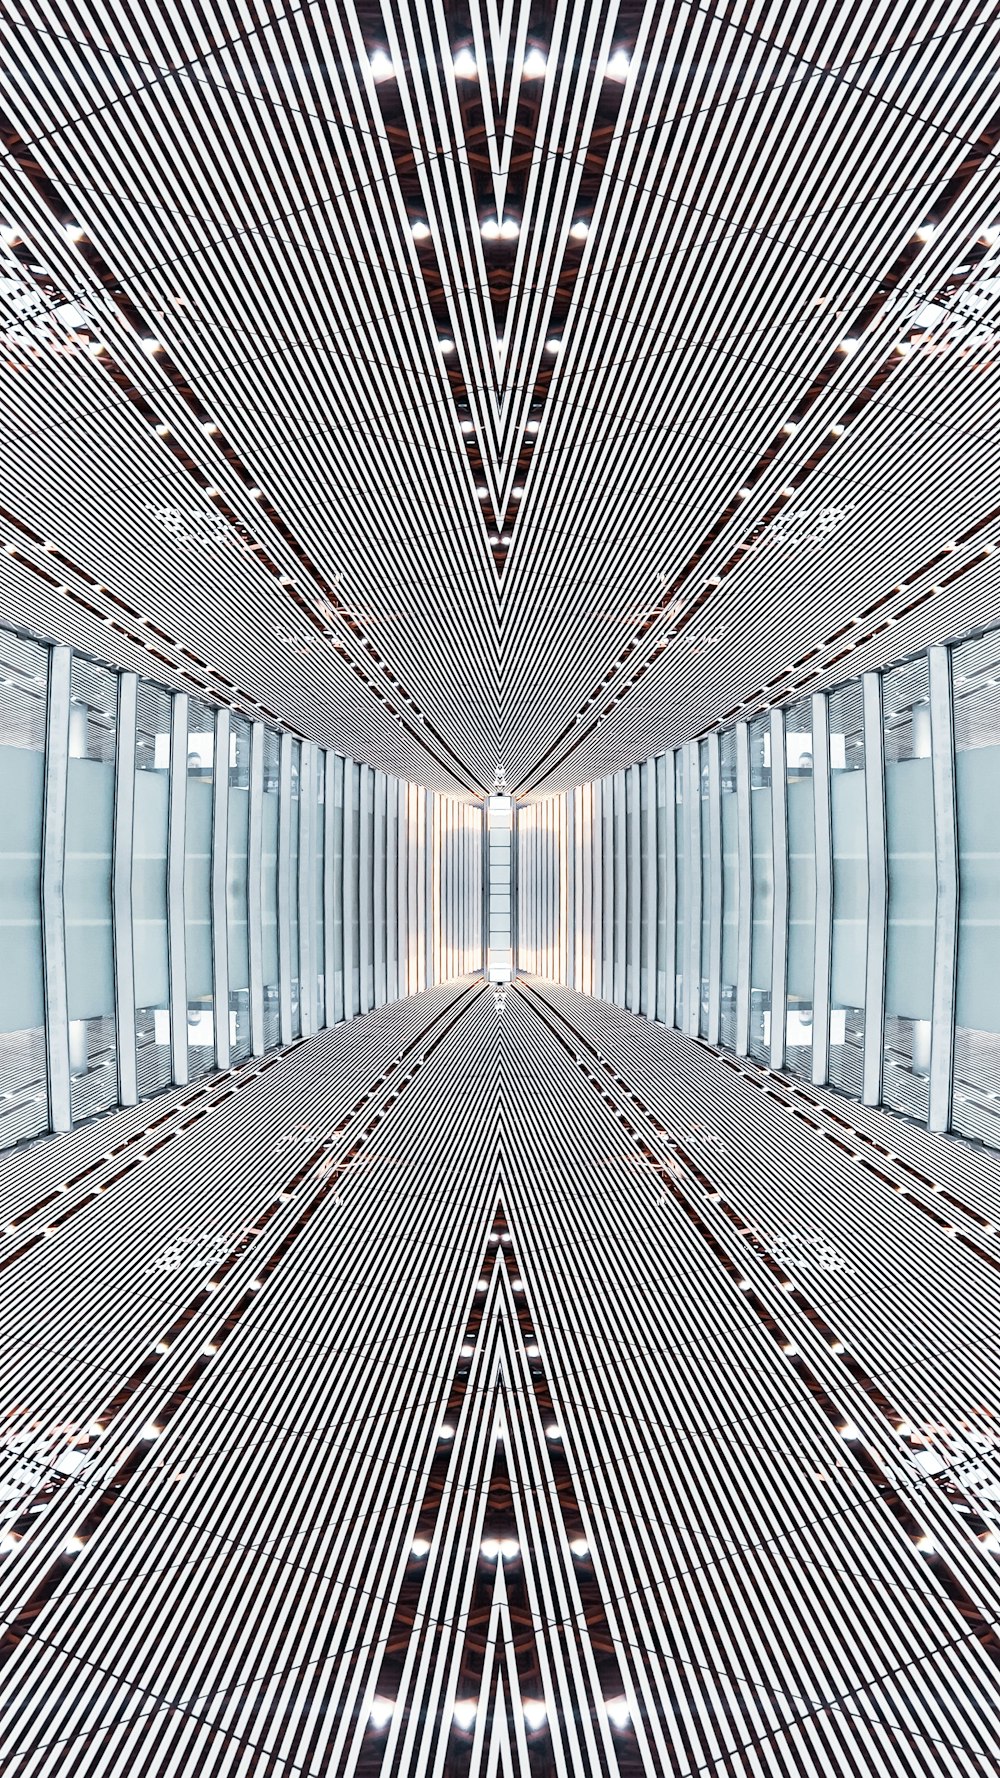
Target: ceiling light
509,229
534,1712
151,1431
837,431
467,426
618,1712
152,346
464,66
419,231
483,493
96,347
381,1712
532,426
553,1432
517,493
446,1432
381,66
419,1547
617,68
579,231
534,65
75,233
580,1547
164,431
12,237
847,345
211,427
490,229
553,345
925,232
788,427
989,237
74,1544
509,1548
256,493
465,1713
446,346
489,1548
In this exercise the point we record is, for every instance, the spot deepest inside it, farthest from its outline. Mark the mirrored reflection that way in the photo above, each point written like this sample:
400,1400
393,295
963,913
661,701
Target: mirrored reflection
904,764
245,934
23,1067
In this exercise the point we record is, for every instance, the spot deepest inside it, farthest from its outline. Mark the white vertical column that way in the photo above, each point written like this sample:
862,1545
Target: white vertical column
381,899
285,888
666,960
427,869
633,889
392,889
121,890
878,890
823,828
571,853
620,862
714,889
649,875
692,870
942,1065
586,889
608,886
56,998
365,897
341,787
779,842
255,865
176,835
744,904
306,888
326,766
350,889
220,869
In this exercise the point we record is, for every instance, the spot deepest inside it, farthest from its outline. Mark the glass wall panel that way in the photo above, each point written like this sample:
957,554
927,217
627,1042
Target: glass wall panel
354,912
706,889
336,863
976,688
319,829
237,859
730,888
198,888
680,954
850,887
293,887
909,820
23,1072
149,887
763,889
90,804
269,890
801,889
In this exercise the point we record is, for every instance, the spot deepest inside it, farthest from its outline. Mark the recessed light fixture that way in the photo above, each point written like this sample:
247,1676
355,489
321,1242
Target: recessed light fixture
419,231
925,232
553,345
152,346
381,65
445,346
579,231
534,65
75,233
846,346
618,66
464,66
380,1712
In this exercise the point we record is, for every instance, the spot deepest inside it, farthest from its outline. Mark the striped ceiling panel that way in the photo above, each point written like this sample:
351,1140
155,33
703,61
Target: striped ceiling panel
526,386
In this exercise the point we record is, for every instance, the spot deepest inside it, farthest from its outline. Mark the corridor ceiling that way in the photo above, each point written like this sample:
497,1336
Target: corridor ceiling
512,386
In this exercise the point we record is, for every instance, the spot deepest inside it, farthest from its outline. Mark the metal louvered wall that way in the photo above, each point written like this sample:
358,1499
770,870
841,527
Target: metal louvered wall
837,917
184,889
